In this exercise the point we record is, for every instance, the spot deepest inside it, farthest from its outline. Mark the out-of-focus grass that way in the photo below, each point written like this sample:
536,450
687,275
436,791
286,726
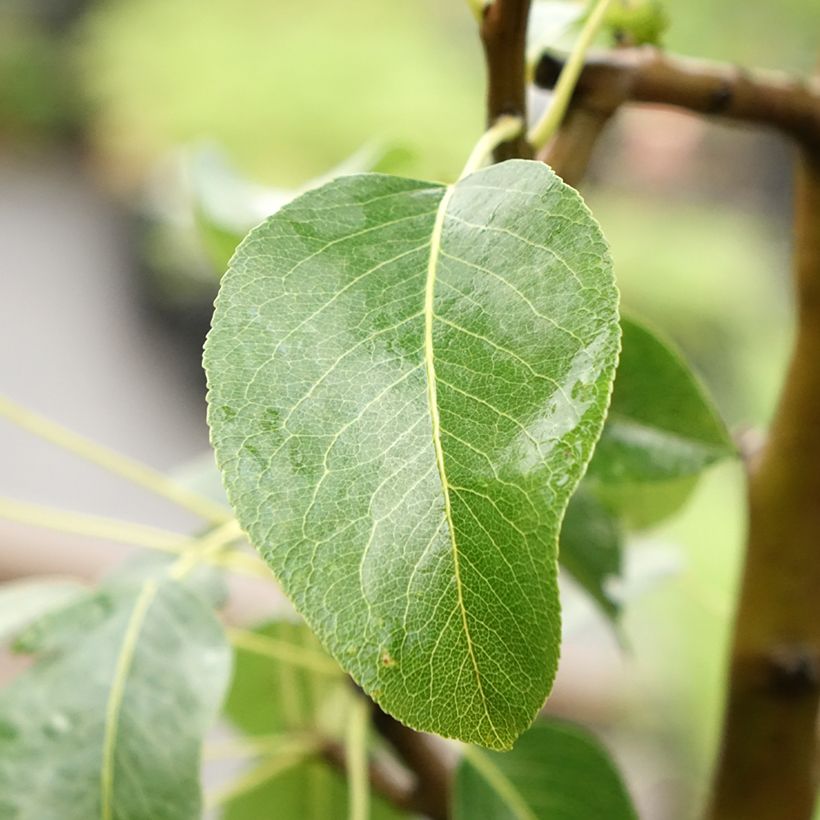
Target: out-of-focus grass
679,630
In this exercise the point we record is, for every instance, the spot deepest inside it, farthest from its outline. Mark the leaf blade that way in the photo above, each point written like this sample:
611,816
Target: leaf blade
113,727
556,770
661,432
405,382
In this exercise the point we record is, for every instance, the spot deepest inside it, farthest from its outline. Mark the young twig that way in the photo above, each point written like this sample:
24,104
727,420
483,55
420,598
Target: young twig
647,75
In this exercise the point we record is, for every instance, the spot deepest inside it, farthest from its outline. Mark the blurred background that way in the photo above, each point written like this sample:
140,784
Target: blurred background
139,138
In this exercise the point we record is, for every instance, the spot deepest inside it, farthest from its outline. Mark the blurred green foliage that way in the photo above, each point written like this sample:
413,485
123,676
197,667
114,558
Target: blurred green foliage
37,99
288,89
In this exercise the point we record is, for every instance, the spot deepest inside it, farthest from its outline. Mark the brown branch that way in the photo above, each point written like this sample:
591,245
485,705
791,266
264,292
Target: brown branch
504,37
646,75
569,152
431,795
768,767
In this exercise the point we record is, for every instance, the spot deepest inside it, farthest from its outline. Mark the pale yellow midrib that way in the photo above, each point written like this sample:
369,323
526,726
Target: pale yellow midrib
432,400
115,697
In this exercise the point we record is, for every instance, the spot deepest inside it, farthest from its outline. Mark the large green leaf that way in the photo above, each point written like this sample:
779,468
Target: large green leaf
406,381
273,698
661,431
557,771
109,721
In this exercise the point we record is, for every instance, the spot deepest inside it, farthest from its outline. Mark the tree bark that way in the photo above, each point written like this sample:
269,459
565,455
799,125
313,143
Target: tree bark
504,37
768,766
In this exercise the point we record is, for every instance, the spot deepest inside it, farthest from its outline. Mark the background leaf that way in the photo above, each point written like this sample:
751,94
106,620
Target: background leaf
662,430
267,698
591,547
109,722
21,602
406,381
557,771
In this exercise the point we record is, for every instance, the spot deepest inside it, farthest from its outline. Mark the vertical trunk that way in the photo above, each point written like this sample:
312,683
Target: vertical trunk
768,763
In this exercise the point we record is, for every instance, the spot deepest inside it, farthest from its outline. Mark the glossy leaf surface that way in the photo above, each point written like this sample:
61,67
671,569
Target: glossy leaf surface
109,721
557,771
406,381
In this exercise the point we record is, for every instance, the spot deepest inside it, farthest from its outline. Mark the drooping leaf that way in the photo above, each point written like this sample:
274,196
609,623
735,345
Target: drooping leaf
109,724
21,602
661,431
557,771
591,547
406,380
269,697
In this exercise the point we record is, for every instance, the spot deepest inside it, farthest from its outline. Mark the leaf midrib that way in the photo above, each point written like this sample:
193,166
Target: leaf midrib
139,612
432,400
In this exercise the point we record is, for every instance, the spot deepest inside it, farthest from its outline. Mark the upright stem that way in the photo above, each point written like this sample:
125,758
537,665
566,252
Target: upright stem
768,768
504,36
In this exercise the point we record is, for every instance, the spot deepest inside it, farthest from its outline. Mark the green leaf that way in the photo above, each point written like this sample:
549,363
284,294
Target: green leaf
639,506
269,698
110,723
406,380
557,771
21,602
591,547
206,581
661,431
